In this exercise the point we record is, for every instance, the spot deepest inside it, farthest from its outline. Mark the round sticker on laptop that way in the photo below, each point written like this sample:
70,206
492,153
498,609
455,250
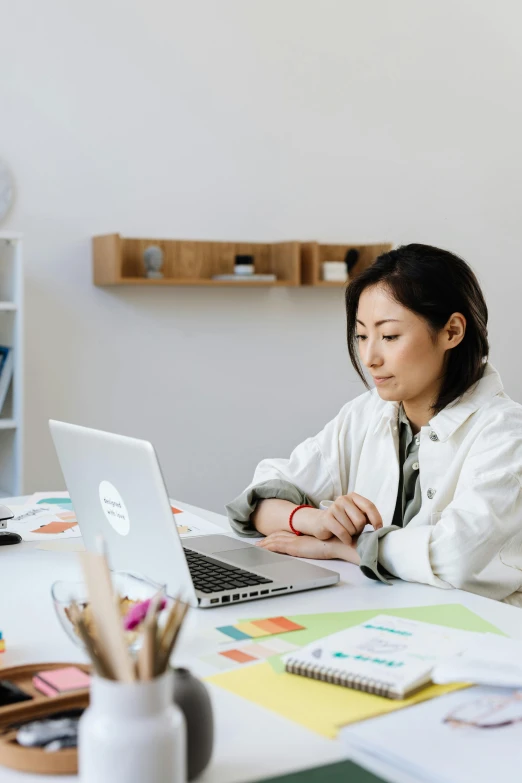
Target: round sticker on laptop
114,508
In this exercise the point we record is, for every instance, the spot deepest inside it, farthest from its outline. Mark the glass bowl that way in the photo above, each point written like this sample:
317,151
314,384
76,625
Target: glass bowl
130,588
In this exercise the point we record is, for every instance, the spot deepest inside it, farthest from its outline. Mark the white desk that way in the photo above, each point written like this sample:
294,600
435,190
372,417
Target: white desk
251,742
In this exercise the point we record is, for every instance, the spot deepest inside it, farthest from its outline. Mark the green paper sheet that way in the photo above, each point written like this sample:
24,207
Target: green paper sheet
319,625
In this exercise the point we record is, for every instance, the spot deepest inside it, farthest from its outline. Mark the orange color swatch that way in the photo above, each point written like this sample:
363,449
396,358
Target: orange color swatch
271,626
286,625
238,656
54,527
176,510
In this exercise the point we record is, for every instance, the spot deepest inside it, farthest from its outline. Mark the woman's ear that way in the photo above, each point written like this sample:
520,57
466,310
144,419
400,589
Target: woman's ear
454,331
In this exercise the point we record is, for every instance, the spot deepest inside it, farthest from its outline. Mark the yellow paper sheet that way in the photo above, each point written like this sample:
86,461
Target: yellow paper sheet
318,706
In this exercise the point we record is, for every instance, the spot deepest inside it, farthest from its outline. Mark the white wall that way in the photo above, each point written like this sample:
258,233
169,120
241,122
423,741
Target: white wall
262,120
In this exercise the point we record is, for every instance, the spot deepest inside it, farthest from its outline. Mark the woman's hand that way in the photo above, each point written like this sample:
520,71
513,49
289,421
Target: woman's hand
345,518
309,546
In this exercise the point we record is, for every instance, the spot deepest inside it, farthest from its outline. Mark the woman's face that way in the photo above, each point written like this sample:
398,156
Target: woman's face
403,356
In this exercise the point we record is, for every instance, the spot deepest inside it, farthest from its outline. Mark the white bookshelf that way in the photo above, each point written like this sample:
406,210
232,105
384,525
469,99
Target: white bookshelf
11,334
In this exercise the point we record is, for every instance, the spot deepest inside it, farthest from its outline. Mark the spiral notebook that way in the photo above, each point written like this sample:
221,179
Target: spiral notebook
387,656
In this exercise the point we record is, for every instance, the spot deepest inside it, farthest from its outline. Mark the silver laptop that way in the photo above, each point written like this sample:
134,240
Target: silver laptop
118,492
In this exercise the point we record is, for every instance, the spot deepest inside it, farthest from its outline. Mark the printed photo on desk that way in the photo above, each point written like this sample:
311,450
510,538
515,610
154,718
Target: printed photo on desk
188,523
43,522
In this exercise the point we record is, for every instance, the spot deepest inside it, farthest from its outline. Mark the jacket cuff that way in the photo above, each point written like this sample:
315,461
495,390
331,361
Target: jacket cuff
241,509
368,549
407,556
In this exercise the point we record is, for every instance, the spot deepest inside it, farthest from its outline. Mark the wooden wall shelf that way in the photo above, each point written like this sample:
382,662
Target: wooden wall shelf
314,253
119,261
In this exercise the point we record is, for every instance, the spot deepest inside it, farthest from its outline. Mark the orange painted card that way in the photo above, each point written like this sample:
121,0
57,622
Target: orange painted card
286,625
238,656
54,527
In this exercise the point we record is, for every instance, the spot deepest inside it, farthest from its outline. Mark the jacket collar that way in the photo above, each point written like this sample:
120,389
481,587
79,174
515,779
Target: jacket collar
450,418
389,413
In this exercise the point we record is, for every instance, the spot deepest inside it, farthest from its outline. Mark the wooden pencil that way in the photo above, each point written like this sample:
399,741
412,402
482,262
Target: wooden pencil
100,665
109,629
170,635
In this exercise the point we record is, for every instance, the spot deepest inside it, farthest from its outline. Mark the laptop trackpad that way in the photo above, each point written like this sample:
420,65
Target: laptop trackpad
250,557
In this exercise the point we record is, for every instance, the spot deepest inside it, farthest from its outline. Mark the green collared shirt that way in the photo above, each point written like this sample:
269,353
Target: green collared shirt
408,504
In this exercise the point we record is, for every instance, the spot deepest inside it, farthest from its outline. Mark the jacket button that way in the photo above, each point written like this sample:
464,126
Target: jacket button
434,436
431,493
415,466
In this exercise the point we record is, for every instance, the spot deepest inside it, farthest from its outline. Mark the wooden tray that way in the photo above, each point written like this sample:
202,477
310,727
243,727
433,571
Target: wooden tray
63,762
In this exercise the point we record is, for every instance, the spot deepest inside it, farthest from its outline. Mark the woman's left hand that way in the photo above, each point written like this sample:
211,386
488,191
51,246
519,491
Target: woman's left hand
308,546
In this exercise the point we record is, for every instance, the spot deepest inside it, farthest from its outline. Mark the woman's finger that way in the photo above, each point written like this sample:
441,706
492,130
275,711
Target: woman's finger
369,509
276,542
298,546
349,516
338,511
340,525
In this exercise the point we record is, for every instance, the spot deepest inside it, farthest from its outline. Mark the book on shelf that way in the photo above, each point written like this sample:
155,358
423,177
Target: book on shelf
6,372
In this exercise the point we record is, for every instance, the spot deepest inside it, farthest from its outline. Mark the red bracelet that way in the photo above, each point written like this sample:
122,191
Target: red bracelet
292,528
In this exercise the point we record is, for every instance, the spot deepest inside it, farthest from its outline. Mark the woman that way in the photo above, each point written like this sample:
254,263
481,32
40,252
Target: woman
431,458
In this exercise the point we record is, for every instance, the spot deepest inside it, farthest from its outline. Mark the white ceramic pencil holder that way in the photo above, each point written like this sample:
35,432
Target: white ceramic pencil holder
132,733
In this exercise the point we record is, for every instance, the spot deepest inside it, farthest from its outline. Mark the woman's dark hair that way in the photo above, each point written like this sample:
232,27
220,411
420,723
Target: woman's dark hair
434,284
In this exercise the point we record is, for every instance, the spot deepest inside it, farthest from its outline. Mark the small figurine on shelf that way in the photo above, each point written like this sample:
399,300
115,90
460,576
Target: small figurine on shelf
153,259
350,259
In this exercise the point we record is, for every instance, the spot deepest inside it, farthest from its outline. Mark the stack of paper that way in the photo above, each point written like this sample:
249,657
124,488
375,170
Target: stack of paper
471,736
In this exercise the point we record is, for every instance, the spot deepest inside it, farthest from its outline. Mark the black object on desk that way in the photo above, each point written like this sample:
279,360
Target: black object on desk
192,698
6,537
10,693
342,772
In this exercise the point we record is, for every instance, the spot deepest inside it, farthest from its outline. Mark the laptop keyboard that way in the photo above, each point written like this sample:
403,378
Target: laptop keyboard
213,576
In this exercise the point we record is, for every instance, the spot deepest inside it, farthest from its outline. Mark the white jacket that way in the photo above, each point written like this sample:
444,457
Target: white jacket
468,532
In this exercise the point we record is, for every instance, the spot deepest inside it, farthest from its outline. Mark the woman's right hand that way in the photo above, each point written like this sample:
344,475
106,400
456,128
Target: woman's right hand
345,519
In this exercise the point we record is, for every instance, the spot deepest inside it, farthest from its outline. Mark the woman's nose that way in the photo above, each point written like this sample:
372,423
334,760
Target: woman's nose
372,357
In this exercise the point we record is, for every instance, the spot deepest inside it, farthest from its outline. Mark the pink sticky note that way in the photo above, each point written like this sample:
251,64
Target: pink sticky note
55,681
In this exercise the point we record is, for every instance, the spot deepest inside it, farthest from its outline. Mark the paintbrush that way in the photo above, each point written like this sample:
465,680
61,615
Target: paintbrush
106,615
100,665
149,647
170,634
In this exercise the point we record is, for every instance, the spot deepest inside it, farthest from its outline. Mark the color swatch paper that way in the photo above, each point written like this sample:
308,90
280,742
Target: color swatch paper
247,653
256,629
234,632
253,631
239,656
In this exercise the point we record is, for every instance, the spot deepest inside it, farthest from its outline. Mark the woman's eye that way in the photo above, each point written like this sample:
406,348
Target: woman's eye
389,337
360,337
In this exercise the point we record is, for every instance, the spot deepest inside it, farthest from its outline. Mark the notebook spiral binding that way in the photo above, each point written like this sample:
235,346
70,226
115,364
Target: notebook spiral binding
333,676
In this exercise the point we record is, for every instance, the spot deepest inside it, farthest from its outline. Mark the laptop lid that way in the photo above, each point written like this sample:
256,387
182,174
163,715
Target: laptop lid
117,491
